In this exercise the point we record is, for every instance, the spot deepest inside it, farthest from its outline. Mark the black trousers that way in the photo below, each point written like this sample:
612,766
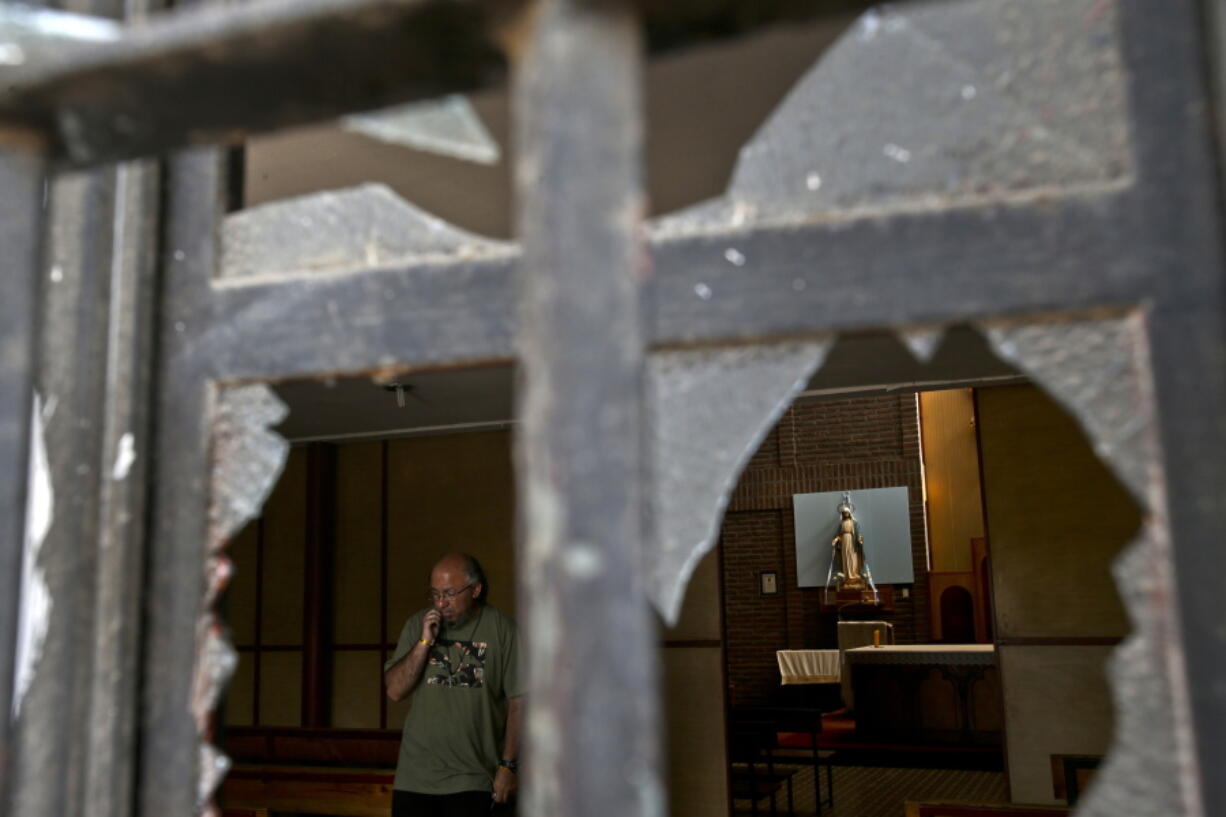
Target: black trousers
461,804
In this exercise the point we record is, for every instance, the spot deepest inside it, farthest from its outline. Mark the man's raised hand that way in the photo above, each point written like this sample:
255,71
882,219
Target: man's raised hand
430,625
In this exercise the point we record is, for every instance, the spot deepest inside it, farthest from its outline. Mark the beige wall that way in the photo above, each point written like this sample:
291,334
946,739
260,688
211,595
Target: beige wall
1056,518
1056,702
449,493
694,700
951,477
238,605
357,683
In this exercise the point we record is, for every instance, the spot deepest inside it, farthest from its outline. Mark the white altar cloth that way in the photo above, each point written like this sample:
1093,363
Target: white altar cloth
808,666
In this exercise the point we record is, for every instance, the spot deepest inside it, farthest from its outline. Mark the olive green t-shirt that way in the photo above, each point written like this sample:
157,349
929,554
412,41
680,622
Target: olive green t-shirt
453,734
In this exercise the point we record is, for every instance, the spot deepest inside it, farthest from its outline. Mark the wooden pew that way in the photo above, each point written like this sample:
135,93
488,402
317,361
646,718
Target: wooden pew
341,772
309,790
794,741
752,771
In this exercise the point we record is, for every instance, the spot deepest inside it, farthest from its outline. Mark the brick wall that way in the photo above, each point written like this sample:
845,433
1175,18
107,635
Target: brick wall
818,445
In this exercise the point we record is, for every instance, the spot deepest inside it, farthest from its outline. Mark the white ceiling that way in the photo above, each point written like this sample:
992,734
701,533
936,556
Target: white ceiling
469,399
435,402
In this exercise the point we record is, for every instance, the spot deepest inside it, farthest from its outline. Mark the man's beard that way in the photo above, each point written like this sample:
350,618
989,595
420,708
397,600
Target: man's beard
461,620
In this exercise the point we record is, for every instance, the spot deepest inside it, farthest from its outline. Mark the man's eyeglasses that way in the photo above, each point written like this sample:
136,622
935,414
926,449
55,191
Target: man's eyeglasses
449,594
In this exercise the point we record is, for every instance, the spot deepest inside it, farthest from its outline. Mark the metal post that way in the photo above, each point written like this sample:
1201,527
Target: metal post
1179,228
21,229
592,726
126,446
77,716
169,764
69,379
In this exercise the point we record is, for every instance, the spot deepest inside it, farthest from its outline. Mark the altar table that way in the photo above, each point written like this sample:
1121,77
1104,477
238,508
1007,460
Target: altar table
927,693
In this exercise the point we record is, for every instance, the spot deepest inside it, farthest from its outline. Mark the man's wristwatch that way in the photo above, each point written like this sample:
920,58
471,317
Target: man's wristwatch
510,765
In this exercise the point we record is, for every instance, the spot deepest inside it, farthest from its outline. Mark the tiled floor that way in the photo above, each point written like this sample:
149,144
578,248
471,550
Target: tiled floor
861,791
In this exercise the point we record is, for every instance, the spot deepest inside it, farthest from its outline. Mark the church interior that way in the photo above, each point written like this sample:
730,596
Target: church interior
976,675
1013,521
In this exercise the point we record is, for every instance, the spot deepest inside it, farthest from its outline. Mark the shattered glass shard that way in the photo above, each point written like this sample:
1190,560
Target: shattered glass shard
734,395
448,126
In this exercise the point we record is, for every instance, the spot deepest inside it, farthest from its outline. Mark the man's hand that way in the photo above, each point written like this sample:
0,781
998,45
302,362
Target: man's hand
505,784
405,673
430,625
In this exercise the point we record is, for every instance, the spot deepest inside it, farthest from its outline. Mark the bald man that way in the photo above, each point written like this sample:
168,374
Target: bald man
459,659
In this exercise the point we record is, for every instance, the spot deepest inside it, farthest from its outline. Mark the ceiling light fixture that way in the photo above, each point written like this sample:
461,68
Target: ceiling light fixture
400,389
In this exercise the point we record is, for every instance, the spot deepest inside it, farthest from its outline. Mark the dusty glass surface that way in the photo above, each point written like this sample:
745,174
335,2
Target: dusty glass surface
934,104
709,410
248,458
341,230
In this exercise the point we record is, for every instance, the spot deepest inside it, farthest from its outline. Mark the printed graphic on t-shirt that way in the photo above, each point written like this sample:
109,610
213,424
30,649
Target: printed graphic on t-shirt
457,664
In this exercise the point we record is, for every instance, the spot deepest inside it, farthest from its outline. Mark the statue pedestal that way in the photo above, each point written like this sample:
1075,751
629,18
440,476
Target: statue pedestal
843,599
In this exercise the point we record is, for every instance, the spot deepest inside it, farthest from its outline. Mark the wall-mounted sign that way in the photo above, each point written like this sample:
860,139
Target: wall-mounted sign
770,582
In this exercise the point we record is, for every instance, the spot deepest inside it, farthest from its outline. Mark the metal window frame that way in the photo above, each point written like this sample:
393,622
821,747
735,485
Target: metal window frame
1153,246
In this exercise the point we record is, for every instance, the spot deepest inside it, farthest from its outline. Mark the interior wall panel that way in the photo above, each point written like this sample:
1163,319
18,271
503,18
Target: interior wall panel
238,708
281,688
284,555
1056,516
355,690
951,477
449,493
694,720
1057,702
356,561
239,600
694,693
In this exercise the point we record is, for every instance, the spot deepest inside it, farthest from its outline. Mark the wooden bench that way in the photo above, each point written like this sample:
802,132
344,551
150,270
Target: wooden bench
343,772
342,792
751,771
794,740
303,746
755,785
